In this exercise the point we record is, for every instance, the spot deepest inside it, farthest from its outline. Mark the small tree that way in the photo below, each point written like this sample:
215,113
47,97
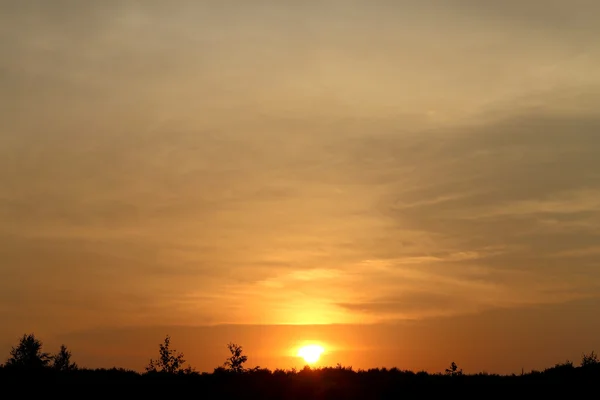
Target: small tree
62,360
588,360
169,361
453,370
235,363
28,354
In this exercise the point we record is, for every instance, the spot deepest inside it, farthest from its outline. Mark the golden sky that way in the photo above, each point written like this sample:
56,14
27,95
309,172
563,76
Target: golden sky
408,182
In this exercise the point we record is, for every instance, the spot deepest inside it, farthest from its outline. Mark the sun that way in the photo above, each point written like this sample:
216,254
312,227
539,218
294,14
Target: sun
311,353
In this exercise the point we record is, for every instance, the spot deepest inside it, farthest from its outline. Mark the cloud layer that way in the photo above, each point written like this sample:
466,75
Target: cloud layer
202,163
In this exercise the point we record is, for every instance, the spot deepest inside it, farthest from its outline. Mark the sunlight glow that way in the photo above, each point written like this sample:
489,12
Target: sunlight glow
311,353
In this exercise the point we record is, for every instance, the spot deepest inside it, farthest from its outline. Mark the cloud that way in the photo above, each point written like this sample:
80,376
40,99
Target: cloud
286,164
413,303
459,219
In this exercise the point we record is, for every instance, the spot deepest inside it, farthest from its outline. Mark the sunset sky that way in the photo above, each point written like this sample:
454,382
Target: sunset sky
407,183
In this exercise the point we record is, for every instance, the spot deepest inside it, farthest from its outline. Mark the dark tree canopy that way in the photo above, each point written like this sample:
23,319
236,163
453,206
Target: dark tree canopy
28,354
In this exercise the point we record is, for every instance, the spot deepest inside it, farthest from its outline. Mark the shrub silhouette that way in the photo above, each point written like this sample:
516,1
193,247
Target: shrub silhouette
169,361
28,354
588,360
567,365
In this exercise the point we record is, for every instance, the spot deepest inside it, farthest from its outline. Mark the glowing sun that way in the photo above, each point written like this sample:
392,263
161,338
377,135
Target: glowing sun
311,354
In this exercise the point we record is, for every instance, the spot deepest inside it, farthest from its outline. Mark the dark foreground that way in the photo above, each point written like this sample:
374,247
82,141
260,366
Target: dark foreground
325,383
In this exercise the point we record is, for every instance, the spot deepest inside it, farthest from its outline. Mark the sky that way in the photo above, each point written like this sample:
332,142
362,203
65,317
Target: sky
408,183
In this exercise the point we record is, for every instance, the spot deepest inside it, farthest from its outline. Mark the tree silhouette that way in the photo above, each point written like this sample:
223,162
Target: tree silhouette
453,370
235,363
28,354
62,360
169,361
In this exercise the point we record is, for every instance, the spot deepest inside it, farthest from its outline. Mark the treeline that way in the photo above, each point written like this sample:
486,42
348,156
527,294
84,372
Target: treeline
28,362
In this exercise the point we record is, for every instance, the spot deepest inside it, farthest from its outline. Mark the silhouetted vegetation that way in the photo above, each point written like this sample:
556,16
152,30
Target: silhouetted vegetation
28,363
28,354
453,370
235,363
169,361
589,360
61,361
